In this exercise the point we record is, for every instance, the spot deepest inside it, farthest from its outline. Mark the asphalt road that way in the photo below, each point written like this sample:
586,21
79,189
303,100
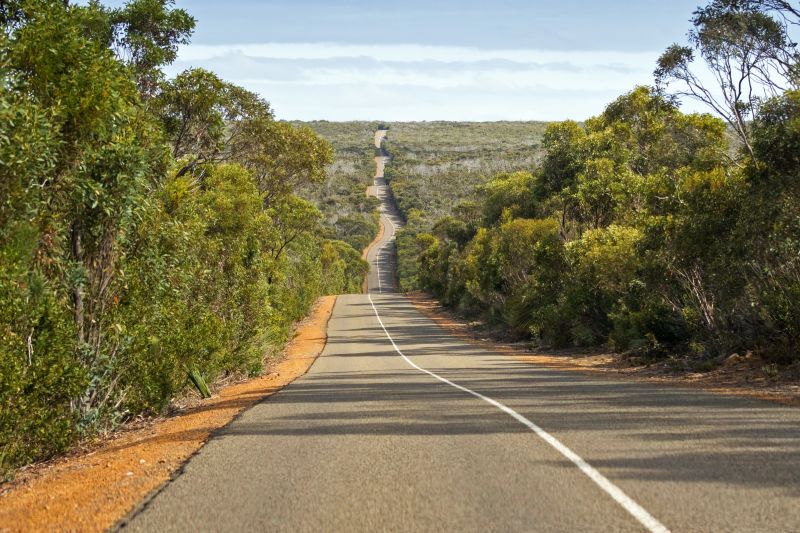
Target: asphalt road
399,426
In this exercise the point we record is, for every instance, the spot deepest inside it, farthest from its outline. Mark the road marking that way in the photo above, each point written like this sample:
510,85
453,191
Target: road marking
636,510
389,239
627,503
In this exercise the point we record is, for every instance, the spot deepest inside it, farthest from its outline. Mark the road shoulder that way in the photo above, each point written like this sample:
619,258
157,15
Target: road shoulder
743,377
93,489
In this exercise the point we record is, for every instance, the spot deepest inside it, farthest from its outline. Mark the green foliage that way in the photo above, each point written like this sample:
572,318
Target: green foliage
528,256
343,268
125,268
637,231
604,275
192,110
442,169
39,375
771,227
146,36
509,195
563,158
436,166
747,48
351,216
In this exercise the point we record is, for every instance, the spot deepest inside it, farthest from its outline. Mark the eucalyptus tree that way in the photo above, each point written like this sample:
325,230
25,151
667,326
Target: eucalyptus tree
746,49
148,228
146,35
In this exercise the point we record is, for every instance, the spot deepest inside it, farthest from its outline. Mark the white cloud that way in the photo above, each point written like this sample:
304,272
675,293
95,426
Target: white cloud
417,82
409,52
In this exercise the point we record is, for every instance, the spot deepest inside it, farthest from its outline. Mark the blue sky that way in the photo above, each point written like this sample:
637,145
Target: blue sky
435,59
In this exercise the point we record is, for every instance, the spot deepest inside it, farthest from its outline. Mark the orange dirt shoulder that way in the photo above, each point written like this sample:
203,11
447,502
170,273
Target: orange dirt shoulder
91,491
743,378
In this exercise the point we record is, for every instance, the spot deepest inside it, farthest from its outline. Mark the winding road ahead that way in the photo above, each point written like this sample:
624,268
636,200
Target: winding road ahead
399,426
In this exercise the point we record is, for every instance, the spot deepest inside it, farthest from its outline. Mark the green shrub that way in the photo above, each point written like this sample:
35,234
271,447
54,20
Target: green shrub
128,254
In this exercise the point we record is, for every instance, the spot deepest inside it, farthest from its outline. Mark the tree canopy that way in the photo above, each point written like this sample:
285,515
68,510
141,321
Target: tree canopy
151,227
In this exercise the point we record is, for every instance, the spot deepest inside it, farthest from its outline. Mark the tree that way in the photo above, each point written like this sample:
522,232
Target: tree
563,157
146,35
210,121
529,255
39,374
602,188
771,225
748,53
192,109
291,218
282,157
122,268
80,208
509,192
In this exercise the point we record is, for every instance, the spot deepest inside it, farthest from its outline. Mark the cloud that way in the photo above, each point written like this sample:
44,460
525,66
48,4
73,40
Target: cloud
405,52
415,82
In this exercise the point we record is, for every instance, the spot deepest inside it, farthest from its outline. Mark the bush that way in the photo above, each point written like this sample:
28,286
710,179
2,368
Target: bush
128,254
649,238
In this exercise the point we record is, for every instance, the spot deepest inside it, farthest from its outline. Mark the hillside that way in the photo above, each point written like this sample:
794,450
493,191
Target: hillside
438,165
349,214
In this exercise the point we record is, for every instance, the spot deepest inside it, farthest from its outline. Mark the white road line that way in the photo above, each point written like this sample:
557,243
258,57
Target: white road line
378,257
635,510
389,239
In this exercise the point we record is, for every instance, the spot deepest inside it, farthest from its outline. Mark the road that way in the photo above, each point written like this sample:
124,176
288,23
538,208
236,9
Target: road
399,426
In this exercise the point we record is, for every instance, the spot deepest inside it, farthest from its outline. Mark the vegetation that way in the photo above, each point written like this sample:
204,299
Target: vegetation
150,229
434,161
437,166
157,233
643,229
350,215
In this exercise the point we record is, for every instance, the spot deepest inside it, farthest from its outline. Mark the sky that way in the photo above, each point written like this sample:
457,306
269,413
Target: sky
398,60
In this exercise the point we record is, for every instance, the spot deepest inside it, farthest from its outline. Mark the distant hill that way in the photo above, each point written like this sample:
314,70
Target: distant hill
438,164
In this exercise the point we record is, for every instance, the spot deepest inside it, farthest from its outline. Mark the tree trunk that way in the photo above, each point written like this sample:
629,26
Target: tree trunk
77,291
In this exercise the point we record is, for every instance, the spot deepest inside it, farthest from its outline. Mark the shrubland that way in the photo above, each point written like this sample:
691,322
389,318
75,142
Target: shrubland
350,215
437,167
434,163
645,229
149,227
